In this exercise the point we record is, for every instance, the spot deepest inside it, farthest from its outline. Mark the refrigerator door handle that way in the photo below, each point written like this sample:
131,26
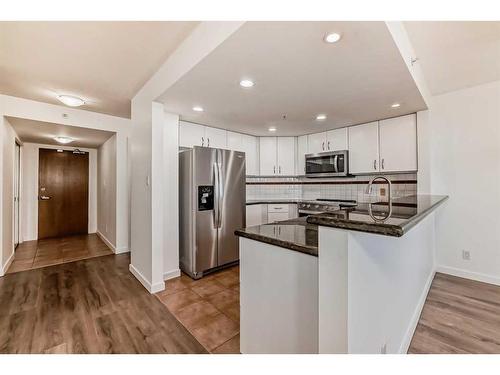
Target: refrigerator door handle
220,195
216,195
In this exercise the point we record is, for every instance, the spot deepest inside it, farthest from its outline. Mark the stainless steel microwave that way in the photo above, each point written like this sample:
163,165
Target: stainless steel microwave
328,164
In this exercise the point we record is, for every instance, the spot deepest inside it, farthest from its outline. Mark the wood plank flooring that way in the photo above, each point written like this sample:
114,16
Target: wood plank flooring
88,306
209,308
52,251
459,316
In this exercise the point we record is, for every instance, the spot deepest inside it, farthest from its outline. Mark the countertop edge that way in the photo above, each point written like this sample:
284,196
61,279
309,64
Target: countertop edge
272,241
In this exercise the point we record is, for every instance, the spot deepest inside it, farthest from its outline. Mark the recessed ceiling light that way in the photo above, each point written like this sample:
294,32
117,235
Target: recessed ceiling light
272,129
332,37
321,117
395,105
246,83
63,140
71,101
197,109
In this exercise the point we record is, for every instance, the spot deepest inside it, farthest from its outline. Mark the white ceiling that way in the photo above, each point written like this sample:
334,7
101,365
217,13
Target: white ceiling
104,63
353,81
456,55
44,132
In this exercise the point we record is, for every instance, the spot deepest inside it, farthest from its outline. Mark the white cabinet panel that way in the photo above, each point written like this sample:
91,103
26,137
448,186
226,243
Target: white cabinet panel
286,156
398,144
251,148
215,138
316,143
191,134
256,214
363,148
235,141
268,156
336,140
277,216
301,155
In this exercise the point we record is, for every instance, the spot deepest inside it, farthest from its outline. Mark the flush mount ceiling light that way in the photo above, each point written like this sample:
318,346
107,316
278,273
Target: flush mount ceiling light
197,108
63,140
332,37
71,101
246,83
321,117
272,129
395,105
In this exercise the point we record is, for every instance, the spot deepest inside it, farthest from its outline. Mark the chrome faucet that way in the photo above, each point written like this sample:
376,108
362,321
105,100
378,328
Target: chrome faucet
389,194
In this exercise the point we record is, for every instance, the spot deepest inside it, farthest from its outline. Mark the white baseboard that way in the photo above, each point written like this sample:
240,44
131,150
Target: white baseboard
121,250
405,345
152,288
171,274
106,241
5,267
477,276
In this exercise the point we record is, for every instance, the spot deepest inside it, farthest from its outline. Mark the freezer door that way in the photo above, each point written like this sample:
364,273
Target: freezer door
232,214
205,228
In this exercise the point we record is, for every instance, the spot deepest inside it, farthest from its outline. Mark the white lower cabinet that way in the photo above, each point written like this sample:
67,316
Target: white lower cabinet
256,214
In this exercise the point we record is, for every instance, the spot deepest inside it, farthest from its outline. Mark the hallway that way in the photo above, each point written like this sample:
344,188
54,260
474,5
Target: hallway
52,251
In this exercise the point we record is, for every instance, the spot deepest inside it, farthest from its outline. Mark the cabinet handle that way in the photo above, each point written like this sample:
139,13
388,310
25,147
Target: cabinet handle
208,142
274,169
375,164
323,146
328,145
279,169
382,163
202,141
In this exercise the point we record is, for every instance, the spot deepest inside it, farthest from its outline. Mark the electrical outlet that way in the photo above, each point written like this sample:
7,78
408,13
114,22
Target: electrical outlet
465,255
383,349
382,192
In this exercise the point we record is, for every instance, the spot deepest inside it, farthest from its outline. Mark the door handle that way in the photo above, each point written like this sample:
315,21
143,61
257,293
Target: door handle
274,169
375,164
208,139
44,198
279,169
382,163
202,141
328,145
323,146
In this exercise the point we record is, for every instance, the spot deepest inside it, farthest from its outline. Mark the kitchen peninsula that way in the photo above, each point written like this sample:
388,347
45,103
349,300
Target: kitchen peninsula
349,281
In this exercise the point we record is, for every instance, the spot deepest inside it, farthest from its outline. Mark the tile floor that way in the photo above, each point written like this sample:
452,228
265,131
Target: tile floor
48,252
209,308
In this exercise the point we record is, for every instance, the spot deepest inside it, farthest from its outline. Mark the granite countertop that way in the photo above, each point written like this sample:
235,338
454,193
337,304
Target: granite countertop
406,213
273,201
294,234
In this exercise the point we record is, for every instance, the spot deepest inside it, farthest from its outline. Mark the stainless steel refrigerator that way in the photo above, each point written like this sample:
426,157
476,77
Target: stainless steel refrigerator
212,205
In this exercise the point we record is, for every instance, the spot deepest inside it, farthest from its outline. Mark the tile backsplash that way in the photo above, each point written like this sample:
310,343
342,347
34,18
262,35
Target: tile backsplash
353,188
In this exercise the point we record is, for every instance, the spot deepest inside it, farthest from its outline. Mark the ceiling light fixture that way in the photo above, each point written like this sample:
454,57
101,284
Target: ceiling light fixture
71,101
321,117
198,109
63,140
272,129
246,83
395,105
332,37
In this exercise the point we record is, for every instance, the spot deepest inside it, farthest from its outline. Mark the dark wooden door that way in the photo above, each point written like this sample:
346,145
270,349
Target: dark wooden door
63,183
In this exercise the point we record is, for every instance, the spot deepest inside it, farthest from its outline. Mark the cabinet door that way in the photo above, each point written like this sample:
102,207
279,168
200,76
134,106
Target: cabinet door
235,141
191,134
254,215
215,138
398,144
268,156
251,149
301,155
316,143
363,148
276,216
336,140
286,156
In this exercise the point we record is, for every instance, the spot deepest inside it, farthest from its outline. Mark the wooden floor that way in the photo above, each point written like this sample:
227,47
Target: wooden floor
209,308
89,306
459,316
52,251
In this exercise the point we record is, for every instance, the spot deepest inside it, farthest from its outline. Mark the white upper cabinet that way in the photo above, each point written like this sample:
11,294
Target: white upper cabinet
286,156
363,148
215,138
251,148
268,156
277,156
235,141
191,134
302,151
398,144
316,143
337,140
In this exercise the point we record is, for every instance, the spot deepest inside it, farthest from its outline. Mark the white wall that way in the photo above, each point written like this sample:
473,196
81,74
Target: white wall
461,135
106,191
29,192
7,137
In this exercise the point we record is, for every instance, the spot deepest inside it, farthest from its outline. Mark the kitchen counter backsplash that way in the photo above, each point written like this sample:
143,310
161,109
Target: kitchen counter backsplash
354,188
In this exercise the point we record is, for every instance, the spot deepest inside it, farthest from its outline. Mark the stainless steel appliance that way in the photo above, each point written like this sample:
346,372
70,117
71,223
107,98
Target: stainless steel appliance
328,164
212,195
323,205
